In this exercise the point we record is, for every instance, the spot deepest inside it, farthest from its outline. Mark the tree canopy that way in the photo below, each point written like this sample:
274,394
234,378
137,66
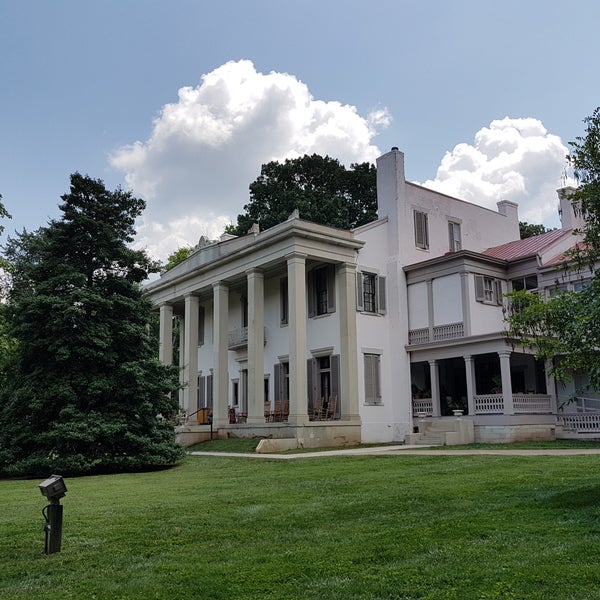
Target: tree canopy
529,229
320,188
567,325
86,393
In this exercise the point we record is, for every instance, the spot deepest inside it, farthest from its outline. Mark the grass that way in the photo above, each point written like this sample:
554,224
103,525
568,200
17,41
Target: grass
383,527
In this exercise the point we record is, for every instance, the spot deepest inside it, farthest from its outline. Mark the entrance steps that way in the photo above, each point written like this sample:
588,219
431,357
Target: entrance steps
442,431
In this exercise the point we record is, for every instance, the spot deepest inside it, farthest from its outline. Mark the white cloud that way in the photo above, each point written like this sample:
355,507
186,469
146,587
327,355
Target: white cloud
205,149
512,159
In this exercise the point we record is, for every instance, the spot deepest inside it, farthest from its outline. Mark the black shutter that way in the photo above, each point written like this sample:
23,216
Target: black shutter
381,301
330,288
360,299
335,382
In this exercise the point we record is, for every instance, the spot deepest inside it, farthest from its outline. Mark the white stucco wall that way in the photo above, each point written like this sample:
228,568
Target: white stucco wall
485,318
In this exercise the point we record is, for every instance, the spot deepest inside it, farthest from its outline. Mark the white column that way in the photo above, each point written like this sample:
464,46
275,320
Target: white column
296,268
550,384
471,391
181,361
221,349
190,391
256,346
165,350
506,382
435,387
348,344
430,314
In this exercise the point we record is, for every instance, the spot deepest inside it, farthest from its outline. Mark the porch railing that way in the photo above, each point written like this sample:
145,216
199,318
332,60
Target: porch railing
422,406
239,337
580,422
488,404
532,403
439,333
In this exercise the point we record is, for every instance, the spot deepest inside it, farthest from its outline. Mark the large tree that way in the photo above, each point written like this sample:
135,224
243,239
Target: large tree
87,393
321,188
567,326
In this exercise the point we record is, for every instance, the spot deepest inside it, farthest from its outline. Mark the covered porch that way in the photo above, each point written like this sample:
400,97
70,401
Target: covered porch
504,382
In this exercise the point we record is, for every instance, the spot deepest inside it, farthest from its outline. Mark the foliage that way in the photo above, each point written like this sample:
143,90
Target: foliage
567,325
529,230
86,392
585,160
177,257
393,527
321,188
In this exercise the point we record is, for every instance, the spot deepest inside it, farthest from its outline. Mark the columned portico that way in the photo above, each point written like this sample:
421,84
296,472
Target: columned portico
165,352
190,391
220,352
348,345
296,270
256,343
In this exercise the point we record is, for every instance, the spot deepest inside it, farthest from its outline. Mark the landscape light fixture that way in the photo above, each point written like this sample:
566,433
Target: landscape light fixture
53,489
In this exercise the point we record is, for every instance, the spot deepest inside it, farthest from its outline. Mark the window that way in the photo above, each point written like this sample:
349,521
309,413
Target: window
370,293
283,301
372,378
421,230
323,374
321,291
282,381
488,290
244,311
454,234
529,283
578,286
201,318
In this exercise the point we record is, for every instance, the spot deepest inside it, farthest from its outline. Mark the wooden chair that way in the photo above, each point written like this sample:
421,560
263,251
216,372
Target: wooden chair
285,410
331,408
268,412
278,411
317,410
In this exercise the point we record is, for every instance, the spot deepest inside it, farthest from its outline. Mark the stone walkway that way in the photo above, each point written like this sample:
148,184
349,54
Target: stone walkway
407,450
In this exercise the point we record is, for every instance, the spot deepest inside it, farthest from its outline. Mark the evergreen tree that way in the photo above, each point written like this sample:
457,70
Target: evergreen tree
321,188
88,394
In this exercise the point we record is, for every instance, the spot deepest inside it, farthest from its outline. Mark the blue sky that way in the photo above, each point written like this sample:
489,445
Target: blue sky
482,96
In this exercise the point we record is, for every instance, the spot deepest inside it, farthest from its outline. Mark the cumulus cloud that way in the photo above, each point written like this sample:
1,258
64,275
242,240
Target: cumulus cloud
512,159
206,148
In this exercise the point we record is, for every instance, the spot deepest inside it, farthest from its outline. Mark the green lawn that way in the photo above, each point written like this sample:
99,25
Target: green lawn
371,527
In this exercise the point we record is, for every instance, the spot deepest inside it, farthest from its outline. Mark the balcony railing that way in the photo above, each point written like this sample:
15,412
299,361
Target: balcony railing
422,406
238,338
440,333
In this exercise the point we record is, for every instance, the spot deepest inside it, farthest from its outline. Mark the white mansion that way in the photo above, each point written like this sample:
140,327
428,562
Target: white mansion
309,336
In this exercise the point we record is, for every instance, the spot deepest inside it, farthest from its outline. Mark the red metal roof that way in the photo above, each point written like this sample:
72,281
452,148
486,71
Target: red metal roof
528,246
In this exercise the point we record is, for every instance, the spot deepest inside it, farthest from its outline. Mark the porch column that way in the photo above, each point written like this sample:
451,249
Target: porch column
430,315
435,387
220,349
471,391
550,384
190,369
348,345
506,382
181,360
165,349
296,269
256,346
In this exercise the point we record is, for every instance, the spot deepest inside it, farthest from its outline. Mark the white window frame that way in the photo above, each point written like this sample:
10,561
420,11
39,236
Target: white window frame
488,290
421,229
372,378
379,304
454,235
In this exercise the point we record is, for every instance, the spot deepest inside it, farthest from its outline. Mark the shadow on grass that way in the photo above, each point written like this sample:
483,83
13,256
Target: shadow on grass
576,498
